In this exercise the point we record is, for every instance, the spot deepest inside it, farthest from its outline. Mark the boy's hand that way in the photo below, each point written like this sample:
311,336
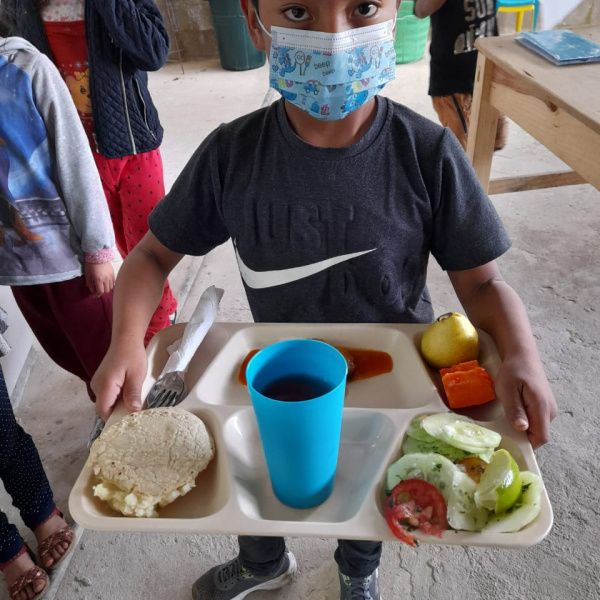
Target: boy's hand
529,404
100,278
120,375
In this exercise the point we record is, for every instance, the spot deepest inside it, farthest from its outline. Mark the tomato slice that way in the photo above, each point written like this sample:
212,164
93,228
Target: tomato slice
415,504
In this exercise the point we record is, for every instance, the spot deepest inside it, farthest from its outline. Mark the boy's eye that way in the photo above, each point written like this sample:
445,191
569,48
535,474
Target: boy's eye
366,9
296,14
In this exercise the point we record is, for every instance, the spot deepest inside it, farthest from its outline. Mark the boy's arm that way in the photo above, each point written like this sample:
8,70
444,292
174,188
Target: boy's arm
425,8
137,28
521,385
137,293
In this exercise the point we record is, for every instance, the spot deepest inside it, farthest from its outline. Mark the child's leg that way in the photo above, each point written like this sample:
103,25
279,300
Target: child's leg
22,577
139,188
110,170
263,564
21,472
11,542
453,112
357,558
261,555
72,326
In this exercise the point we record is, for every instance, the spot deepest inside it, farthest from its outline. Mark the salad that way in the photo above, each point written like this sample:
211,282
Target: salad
453,476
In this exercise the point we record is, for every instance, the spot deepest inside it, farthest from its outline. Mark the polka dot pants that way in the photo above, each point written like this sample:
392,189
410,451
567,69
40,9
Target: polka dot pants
133,186
23,477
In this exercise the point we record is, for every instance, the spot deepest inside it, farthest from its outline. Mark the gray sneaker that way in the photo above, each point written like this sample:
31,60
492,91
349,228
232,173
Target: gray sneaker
360,588
232,581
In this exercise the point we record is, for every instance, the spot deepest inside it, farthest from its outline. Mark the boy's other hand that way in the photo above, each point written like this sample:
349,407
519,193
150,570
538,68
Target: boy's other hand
528,401
100,278
120,375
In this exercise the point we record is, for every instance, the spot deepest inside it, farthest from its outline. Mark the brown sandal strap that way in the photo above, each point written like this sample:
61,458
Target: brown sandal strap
64,535
28,579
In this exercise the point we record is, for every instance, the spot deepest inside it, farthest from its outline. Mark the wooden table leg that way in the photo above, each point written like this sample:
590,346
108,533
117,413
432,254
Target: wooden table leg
482,123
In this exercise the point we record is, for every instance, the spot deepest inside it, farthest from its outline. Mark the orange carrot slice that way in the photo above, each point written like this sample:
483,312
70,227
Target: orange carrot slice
463,366
467,386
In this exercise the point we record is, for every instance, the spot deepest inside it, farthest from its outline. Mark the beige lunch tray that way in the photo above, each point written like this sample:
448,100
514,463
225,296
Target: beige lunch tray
234,495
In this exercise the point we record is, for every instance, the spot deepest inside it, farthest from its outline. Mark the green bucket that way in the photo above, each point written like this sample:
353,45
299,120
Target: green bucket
236,50
411,34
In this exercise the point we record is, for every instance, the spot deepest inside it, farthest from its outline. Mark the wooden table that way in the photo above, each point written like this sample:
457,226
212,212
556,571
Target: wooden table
559,106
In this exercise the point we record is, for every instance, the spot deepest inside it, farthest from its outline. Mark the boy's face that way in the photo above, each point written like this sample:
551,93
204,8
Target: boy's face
330,16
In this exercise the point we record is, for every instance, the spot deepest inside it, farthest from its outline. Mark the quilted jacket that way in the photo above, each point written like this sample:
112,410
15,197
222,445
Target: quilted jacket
125,39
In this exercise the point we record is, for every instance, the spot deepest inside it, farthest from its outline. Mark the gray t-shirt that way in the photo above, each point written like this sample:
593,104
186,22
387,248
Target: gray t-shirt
333,235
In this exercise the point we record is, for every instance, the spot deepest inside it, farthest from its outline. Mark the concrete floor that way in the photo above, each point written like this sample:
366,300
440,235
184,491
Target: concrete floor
555,266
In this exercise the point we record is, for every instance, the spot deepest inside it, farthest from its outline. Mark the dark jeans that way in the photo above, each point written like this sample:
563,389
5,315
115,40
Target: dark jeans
23,476
262,555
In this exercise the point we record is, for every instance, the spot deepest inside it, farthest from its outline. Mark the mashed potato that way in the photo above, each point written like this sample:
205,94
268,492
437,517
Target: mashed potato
150,458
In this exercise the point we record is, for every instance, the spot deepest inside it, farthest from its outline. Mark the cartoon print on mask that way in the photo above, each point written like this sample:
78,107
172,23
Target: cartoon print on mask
282,62
357,62
79,86
9,213
376,55
318,109
355,101
312,87
303,61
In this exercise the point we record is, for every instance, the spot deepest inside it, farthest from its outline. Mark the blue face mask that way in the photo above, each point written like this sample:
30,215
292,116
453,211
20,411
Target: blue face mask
330,75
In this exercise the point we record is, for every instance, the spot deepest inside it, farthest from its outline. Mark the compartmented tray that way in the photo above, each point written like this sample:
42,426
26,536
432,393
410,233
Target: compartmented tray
234,494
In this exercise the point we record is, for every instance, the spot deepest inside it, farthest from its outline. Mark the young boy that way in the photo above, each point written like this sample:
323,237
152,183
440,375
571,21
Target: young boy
455,25
358,191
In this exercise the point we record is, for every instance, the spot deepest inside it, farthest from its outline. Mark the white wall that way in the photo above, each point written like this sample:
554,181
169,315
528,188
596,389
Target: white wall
19,336
552,12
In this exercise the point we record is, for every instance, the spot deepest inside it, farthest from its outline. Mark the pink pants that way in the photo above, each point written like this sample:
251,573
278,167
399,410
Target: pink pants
133,186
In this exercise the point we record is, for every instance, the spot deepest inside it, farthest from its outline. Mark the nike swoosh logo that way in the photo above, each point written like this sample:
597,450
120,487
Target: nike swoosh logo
265,279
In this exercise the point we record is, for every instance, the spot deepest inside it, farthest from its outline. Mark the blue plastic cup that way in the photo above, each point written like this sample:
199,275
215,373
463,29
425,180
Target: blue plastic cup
300,438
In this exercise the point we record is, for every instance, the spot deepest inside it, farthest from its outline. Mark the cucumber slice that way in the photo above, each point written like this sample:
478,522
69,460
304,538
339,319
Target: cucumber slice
524,511
412,446
415,429
460,433
434,468
463,513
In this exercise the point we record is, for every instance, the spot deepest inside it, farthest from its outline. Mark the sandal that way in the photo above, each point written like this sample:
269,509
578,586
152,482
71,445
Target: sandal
28,578
66,535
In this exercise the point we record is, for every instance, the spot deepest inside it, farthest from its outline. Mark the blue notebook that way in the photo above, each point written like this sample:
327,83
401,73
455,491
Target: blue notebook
562,47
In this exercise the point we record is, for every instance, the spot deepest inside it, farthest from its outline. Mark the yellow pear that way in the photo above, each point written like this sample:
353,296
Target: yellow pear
449,340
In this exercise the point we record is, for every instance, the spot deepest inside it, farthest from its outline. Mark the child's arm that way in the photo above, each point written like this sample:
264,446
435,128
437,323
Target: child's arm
137,28
76,172
425,8
137,293
521,385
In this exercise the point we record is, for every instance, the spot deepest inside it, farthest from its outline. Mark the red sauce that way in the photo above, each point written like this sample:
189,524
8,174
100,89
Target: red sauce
242,371
362,363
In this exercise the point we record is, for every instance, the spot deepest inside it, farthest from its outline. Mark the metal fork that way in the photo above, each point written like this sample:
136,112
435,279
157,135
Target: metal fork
167,391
